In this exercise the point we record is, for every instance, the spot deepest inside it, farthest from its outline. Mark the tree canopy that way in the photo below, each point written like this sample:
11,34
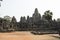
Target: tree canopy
48,15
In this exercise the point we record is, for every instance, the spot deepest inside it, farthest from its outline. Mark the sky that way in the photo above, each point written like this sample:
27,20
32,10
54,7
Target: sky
20,8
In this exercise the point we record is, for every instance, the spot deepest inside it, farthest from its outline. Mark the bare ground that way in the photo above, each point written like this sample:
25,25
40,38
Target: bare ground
27,36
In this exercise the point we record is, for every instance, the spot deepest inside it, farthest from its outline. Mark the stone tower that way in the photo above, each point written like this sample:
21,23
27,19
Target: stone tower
13,23
36,16
23,19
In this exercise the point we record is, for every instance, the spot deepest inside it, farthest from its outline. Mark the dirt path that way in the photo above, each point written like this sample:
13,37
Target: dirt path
26,36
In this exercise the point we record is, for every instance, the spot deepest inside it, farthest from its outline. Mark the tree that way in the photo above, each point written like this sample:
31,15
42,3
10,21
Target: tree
0,3
48,15
8,18
1,0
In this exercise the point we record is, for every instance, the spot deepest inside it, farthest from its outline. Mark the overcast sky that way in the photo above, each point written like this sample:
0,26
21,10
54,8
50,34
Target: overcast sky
20,8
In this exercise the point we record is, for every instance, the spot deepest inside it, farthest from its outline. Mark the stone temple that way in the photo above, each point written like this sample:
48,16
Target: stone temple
34,23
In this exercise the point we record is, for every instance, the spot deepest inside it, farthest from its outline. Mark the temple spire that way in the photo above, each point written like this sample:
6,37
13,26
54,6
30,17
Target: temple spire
36,10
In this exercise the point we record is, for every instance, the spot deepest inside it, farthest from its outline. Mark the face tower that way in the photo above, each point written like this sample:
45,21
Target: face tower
36,16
